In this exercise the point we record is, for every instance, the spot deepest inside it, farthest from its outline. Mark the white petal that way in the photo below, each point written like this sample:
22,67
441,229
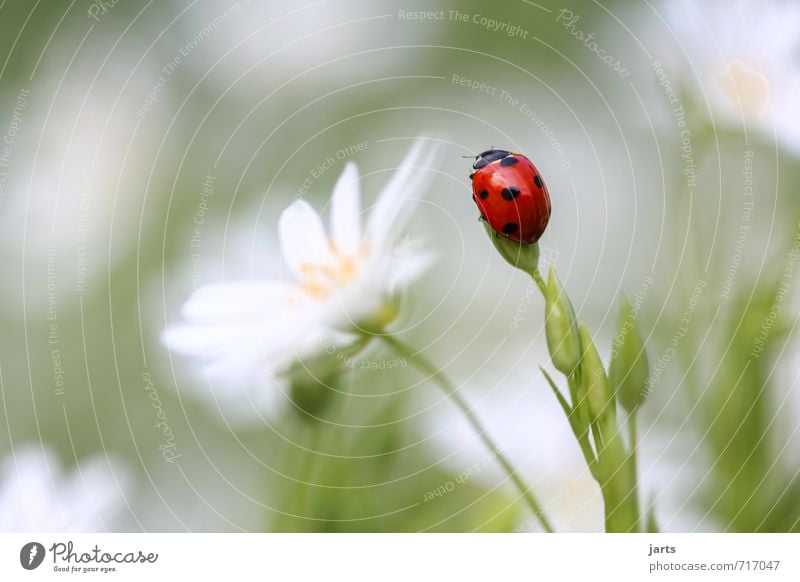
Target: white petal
364,296
93,494
237,301
266,343
408,268
193,340
338,338
249,394
266,354
27,497
212,340
303,238
36,494
346,210
400,195
241,401
324,343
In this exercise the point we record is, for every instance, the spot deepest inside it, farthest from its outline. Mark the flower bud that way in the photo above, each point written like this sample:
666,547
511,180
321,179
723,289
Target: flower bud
563,337
599,398
629,369
519,255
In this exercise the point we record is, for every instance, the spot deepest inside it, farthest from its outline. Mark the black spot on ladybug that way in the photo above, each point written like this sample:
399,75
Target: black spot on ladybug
510,228
538,181
510,193
508,161
472,175
484,194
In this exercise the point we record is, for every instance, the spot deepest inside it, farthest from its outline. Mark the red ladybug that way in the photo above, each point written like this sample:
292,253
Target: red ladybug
511,195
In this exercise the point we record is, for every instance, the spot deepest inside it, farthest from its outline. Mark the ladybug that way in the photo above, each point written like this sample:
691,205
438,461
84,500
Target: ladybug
511,195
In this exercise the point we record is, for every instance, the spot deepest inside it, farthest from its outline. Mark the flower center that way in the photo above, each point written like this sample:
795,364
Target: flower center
321,281
747,86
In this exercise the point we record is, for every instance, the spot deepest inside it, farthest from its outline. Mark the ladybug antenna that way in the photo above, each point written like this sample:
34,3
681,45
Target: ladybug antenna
467,156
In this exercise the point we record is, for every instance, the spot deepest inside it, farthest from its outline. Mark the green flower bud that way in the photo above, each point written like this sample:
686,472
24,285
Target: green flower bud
629,369
599,398
521,256
563,337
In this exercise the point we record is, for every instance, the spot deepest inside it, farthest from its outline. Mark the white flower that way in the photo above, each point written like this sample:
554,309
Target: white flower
342,280
36,495
742,55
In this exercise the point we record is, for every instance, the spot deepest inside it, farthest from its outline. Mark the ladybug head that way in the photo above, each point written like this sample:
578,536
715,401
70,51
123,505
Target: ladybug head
488,157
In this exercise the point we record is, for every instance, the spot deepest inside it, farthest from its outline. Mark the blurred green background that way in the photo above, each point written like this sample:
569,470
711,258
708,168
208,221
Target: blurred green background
117,116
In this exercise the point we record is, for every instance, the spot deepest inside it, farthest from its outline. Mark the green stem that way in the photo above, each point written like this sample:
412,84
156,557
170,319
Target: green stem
295,466
581,433
619,494
537,277
438,378
303,498
613,468
633,470
619,517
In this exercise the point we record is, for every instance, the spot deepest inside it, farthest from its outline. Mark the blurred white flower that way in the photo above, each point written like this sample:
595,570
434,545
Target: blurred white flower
343,280
37,495
743,55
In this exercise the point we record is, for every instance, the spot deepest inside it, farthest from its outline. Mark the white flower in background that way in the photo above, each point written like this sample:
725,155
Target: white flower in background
37,495
743,55
342,280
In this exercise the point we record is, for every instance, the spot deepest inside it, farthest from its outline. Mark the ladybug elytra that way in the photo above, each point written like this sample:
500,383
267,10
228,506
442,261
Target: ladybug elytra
510,195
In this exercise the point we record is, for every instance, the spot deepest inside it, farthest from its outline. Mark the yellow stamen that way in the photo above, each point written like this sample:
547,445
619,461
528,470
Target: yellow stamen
321,281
